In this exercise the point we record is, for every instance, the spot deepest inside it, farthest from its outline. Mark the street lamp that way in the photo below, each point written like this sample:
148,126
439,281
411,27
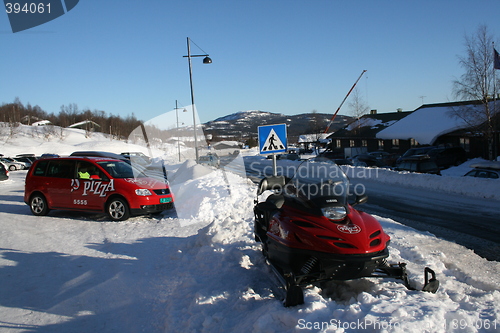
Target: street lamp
178,133
206,60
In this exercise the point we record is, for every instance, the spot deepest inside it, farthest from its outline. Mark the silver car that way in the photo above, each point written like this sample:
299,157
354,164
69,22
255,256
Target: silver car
11,164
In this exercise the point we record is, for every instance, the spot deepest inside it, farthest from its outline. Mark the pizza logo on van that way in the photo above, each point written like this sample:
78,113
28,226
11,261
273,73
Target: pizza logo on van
95,187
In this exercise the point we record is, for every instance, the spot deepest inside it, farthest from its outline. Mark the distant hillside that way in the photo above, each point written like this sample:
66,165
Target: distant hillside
243,125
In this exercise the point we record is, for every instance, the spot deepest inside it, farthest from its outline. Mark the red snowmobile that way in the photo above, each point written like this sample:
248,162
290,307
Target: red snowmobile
310,233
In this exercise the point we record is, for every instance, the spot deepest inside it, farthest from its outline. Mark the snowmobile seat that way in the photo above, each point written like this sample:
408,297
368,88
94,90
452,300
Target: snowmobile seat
274,183
276,200
264,210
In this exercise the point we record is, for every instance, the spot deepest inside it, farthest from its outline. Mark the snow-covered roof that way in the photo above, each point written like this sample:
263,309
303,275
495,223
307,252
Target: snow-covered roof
226,145
321,137
84,123
41,123
427,123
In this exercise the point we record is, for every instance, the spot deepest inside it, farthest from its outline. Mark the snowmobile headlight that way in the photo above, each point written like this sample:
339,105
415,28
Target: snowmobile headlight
336,213
143,192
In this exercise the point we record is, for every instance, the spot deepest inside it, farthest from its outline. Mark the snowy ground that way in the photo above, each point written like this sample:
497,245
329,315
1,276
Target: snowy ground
201,271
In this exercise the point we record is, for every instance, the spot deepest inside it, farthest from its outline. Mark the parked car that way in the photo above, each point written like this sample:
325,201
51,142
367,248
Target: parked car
286,156
418,163
448,156
367,160
332,155
49,155
4,173
96,153
137,157
342,161
153,171
11,164
385,158
210,159
485,170
26,157
291,156
98,184
25,162
414,151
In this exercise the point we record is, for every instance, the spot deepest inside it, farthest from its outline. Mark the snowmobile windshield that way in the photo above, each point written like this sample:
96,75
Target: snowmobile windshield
315,180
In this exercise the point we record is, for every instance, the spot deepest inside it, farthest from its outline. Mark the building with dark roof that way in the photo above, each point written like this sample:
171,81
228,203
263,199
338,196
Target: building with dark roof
363,133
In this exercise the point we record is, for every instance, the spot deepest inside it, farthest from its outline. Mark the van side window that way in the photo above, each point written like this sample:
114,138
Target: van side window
40,168
61,169
87,170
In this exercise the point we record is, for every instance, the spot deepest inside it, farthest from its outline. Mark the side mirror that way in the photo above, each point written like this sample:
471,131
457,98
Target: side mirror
360,199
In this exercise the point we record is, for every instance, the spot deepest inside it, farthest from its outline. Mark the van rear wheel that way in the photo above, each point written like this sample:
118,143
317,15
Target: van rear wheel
38,205
117,209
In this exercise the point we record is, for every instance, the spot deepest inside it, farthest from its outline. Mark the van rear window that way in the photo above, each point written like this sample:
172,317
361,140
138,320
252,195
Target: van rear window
61,169
40,168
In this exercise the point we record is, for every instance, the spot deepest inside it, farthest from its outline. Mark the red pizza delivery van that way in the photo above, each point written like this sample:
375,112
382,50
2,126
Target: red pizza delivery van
96,184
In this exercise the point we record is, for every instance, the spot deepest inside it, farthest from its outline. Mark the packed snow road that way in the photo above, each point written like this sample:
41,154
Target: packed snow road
203,272
471,222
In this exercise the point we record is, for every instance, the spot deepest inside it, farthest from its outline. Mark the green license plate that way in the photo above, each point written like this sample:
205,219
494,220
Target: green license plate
165,200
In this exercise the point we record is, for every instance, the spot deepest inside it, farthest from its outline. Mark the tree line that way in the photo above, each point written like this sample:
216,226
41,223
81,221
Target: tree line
16,113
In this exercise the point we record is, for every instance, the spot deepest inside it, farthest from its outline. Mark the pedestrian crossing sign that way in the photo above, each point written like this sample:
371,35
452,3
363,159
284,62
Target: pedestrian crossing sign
272,139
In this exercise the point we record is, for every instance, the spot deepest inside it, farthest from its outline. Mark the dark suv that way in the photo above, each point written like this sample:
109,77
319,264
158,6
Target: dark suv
448,156
418,163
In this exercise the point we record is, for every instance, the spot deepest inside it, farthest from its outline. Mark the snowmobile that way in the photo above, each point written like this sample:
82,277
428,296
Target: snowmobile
310,233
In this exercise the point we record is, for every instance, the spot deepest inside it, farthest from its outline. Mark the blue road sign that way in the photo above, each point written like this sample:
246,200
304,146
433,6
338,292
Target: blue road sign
272,139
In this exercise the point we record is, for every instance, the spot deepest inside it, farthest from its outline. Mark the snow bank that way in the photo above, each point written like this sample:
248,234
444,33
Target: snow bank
450,182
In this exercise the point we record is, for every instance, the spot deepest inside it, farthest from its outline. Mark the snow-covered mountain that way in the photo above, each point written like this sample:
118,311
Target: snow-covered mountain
243,124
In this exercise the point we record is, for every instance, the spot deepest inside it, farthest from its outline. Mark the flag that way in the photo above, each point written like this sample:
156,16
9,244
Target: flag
496,59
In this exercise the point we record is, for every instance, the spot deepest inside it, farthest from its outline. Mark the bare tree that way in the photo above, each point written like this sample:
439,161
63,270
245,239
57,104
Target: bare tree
357,105
316,124
478,83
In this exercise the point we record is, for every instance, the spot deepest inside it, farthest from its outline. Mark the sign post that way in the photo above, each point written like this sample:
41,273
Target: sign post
272,140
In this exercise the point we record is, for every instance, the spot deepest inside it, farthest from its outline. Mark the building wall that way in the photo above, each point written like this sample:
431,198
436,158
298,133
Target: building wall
398,147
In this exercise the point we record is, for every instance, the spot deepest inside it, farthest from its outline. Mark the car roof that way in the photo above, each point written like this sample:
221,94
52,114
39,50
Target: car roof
80,158
98,154
491,165
416,157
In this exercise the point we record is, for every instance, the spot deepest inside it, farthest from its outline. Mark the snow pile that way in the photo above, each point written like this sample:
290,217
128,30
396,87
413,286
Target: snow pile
467,186
203,194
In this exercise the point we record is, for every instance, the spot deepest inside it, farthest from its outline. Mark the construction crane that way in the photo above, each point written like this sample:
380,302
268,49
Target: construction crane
335,114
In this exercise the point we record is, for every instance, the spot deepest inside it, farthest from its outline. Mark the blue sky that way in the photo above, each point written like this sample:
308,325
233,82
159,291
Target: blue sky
284,56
